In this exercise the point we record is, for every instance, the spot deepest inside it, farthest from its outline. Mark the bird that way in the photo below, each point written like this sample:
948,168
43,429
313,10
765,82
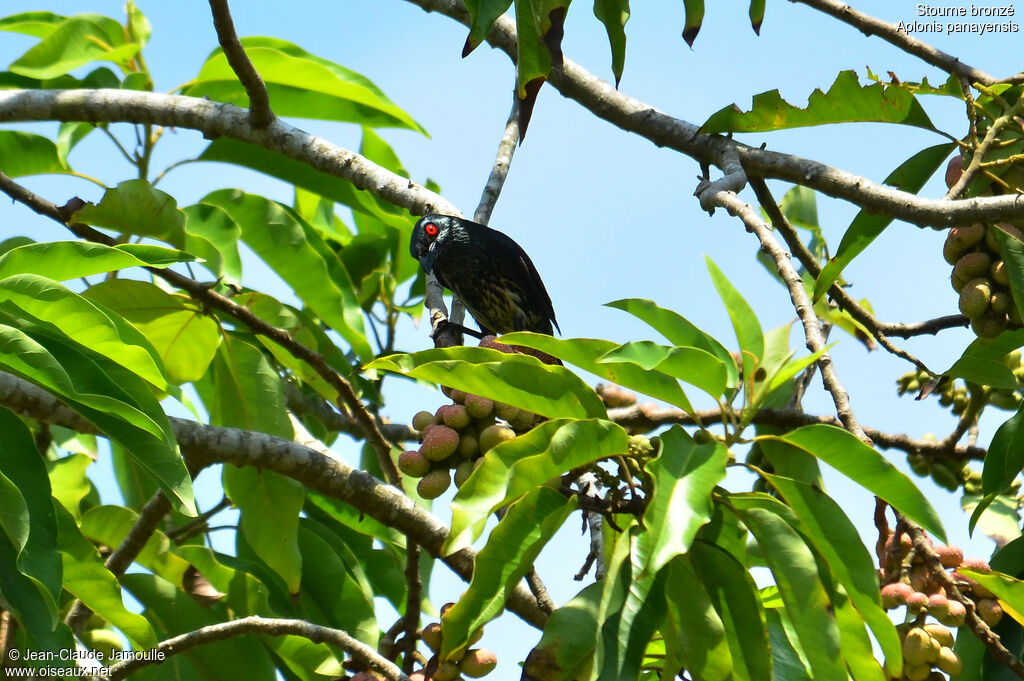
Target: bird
487,271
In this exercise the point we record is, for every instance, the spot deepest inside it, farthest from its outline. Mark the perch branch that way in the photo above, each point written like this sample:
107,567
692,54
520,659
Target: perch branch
264,626
502,163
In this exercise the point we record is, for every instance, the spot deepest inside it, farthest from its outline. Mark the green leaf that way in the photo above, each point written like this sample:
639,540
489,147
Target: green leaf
482,15
796,574
174,612
509,553
614,14
270,505
136,207
1012,249
36,24
684,474
744,321
183,335
734,596
76,317
847,101
838,542
692,365
910,177
25,153
245,391
788,660
533,62
519,380
300,85
984,361
299,256
695,634
63,260
211,234
1008,590
1005,456
756,14
109,525
77,41
27,515
865,466
566,650
118,403
678,330
28,603
513,468
586,353
96,587
694,19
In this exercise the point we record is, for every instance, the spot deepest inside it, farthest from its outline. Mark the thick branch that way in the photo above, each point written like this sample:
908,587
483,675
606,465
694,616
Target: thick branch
264,627
206,445
632,115
259,101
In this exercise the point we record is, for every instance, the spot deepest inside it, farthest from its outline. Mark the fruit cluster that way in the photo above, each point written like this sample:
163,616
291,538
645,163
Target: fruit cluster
928,646
456,436
471,662
981,278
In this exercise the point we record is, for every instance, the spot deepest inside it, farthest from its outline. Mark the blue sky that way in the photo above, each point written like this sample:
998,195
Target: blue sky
604,214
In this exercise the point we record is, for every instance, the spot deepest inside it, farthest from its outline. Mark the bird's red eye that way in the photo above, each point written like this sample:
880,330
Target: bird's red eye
430,228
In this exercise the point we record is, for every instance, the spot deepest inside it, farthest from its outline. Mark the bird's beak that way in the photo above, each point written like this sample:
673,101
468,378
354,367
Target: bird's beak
427,259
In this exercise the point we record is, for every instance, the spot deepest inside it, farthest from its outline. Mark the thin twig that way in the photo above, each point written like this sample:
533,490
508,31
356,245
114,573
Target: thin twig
807,259
539,591
413,595
259,100
212,299
888,32
983,148
801,302
263,626
502,163
125,553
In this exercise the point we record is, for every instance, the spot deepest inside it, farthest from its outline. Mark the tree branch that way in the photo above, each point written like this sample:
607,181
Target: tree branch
802,304
502,163
204,445
263,626
214,300
869,25
632,115
259,100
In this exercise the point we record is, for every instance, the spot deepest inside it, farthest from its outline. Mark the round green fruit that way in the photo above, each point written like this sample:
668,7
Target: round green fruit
478,662
968,267
975,297
479,407
434,484
422,419
495,435
456,417
463,471
431,635
959,240
413,464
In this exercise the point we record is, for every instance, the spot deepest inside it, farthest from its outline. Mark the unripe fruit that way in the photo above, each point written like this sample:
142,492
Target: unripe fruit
895,595
478,662
989,611
446,607
917,672
439,443
494,435
431,635
990,236
970,266
957,615
917,601
950,556
949,662
942,635
417,676
458,396
434,484
919,647
954,169
919,463
446,671
999,273
413,464
989,326
456,416
959,240
469,446
975,297
938,606
505,411
462,472
1001,302
477,635
945,478
479,407
421,420
976,564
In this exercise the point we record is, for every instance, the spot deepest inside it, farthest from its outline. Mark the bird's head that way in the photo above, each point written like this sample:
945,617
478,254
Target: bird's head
429,236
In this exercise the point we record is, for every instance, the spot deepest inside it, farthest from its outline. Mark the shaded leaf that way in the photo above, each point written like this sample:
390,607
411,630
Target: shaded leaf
984,361
482,15
694,19
694,634
136,207
692,365
614,14
25,153
513,468
1005,456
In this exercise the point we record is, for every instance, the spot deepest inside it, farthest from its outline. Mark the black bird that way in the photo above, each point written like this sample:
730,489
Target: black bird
487,270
